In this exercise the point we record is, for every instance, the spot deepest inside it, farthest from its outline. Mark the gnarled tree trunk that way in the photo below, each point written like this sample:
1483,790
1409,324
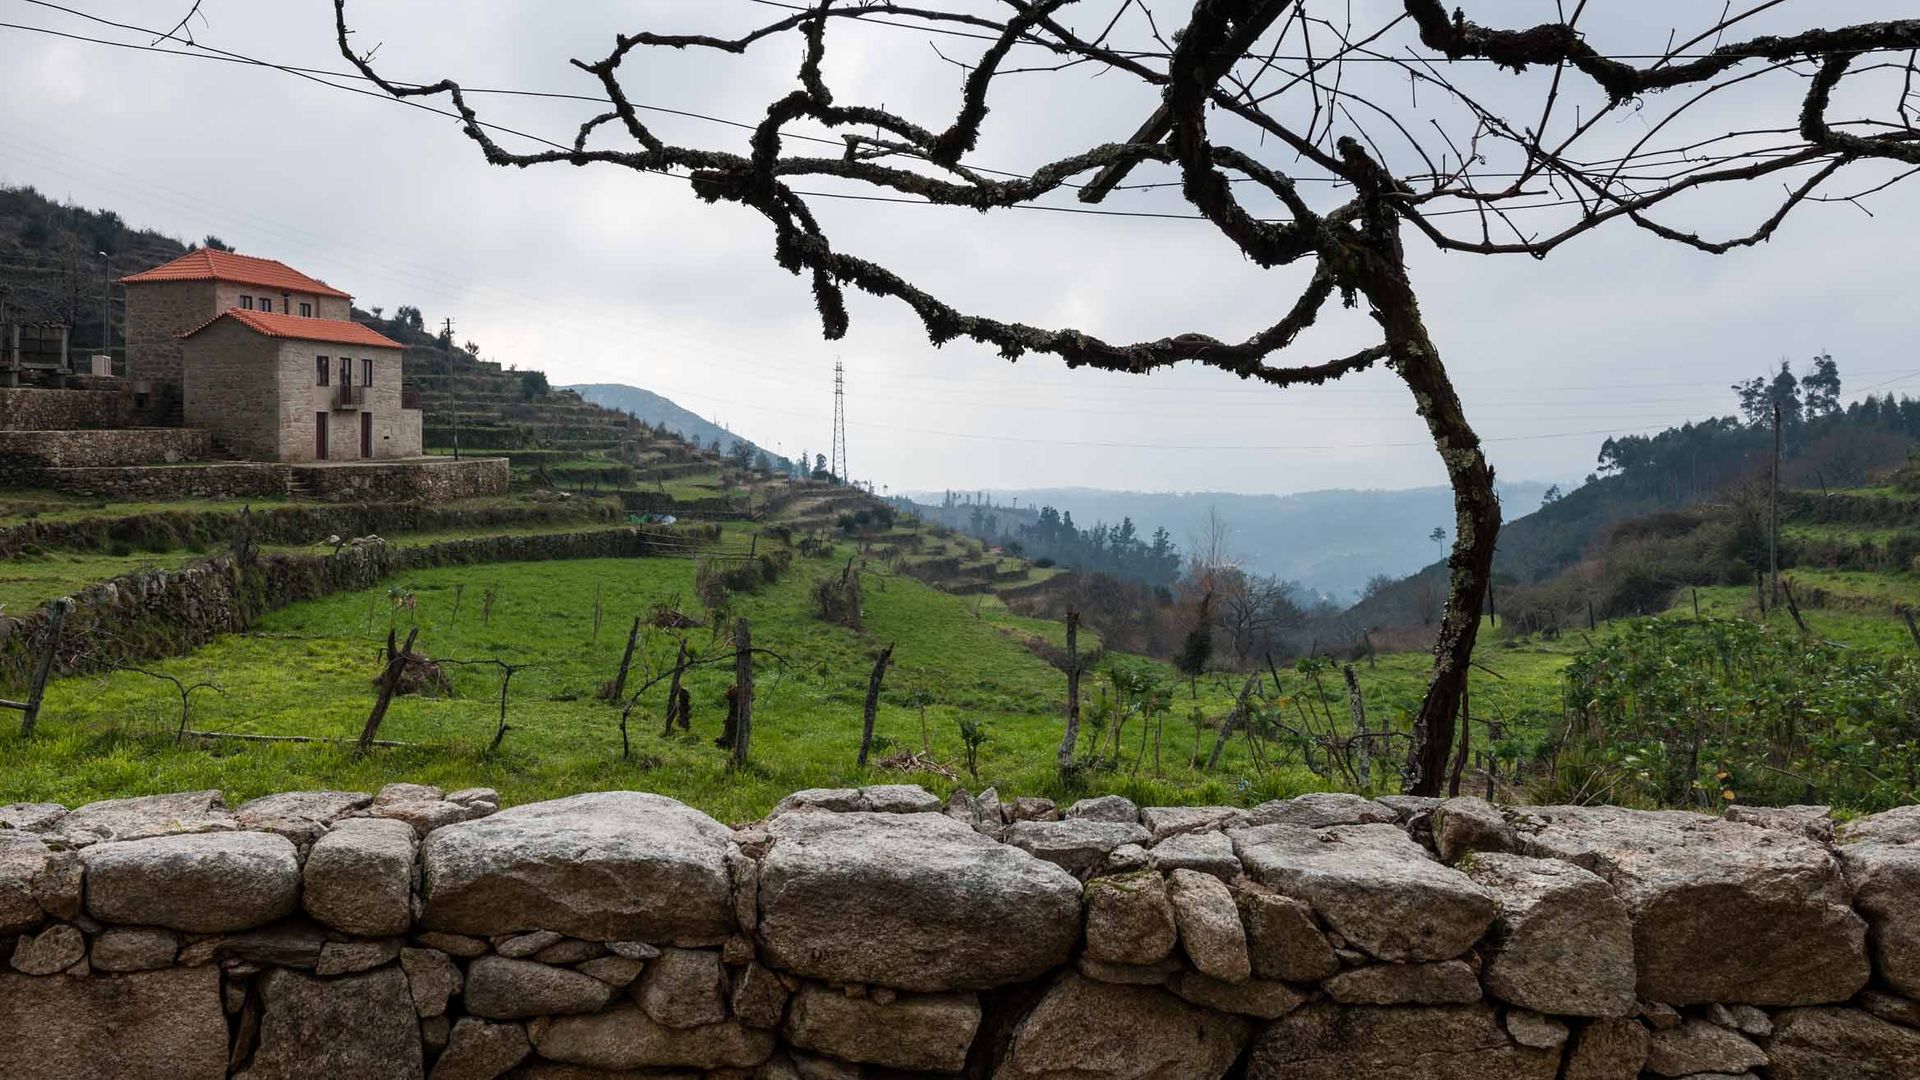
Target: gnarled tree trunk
1382,277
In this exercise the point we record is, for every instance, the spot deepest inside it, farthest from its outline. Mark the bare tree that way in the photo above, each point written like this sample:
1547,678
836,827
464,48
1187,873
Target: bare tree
1283,122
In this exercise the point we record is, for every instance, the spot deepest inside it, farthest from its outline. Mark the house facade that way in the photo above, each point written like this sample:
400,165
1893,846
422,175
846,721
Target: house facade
278,387
165,303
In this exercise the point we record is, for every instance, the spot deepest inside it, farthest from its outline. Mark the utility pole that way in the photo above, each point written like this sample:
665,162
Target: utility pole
1773,515
106,307
839,465
453,400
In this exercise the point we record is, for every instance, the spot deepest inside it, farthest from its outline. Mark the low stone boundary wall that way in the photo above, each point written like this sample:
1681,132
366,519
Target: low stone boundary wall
426,479
159,483
168,530
159,613
879,933
29,409
54,449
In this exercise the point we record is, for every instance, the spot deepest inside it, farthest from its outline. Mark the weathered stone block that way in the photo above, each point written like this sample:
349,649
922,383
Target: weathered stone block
205,883
359,877
624,1037
357,1027
1324,1041
914,901
502,989
1562,943
1209,924
1084,1029
125,1027
1445,982
605,866
1378,888
1076,845
1721,911
1129,920
684,988
914,1031
1832,1043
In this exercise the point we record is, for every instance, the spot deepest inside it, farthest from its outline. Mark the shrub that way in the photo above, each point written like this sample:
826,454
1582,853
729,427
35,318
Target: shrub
1683,712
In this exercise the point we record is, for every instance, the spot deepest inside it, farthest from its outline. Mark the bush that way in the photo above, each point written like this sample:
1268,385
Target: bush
1683,712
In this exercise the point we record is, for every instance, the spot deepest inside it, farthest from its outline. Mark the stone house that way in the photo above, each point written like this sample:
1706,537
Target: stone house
271,386
165,303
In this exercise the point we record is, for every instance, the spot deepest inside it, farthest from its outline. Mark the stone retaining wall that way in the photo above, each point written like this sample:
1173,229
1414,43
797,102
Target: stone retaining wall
52,449
160,483
879,933
158,613
166,530
30,409
427,480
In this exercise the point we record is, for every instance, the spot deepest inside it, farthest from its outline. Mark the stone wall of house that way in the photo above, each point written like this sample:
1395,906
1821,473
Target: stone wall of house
304,401
879,932
431,480
30,450
26,409
230,387
157,314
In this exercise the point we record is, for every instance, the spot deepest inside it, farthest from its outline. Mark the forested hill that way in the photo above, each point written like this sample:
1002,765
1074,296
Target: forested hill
660,412
1823,445
1331,542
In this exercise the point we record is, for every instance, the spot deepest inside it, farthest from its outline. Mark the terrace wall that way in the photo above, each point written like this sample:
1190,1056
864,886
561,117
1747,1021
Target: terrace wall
27,409
50,449
429,479
878,933
159,613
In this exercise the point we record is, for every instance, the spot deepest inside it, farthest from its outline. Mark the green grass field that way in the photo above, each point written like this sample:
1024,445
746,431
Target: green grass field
308,670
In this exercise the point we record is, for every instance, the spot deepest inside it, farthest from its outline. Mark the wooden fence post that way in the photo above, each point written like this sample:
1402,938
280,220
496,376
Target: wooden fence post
1362,764
389,680
626,662
873,702
1071,737
673,689
37,689
743,685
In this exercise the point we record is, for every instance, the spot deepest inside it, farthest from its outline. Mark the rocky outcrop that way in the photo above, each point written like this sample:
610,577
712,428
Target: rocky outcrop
871,933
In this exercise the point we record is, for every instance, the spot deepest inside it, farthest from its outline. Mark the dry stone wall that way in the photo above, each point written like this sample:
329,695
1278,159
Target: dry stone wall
32,409
47,449
425,479
155,613
864,934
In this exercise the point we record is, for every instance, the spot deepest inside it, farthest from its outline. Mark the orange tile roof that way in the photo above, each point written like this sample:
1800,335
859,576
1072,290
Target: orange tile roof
207,264
300,328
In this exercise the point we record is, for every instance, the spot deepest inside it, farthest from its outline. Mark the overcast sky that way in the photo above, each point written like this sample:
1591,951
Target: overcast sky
604,275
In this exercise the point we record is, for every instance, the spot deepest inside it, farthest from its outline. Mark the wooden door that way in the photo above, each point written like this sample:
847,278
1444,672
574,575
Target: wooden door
320,436
366,435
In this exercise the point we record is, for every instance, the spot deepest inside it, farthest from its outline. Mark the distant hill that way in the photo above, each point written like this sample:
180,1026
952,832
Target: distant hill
1329,541
659,411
